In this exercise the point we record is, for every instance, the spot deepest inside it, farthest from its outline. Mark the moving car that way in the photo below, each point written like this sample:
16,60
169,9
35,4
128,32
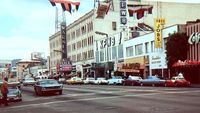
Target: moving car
28,81
132,80
153,80
74,80
101,80
114,80
46,86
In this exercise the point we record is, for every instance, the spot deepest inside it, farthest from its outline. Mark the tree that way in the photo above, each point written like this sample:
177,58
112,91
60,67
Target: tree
177,47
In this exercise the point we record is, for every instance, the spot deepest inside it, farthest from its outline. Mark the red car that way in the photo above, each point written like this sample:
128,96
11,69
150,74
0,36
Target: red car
177,81
180,81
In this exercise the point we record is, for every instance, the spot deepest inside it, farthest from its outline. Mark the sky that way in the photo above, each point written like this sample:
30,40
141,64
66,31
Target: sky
26,25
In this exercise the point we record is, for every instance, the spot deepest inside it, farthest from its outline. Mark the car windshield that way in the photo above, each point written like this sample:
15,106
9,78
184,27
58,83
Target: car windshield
48,82
12,89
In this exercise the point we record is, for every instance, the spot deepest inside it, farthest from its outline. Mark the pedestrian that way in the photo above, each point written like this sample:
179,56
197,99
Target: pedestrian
4,91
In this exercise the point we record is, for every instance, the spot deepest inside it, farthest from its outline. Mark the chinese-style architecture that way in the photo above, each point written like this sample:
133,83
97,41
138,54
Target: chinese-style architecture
191,66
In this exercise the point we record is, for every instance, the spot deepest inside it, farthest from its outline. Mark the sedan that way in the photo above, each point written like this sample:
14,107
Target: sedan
14,94
180,81
74,80
89,80
101,80
46,86
132,80
28,81
153,80
114,80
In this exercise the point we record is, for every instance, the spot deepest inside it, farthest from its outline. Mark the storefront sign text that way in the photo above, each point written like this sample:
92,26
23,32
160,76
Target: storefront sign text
194,38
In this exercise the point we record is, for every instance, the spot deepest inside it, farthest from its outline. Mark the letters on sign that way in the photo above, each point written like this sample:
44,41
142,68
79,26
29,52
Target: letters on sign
194,38
123,13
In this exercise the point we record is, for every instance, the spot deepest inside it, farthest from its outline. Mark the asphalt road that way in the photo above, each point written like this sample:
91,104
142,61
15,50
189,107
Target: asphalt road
109,99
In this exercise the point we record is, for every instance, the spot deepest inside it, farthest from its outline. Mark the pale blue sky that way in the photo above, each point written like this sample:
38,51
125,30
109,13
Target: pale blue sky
25,26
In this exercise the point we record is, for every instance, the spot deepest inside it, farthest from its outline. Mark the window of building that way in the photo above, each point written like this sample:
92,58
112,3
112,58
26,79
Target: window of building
120,51
152,46
138,49
164,43
102,55
78,32
114,52
129,51
146,47
109,53
83,30
114,26
73,35
97,56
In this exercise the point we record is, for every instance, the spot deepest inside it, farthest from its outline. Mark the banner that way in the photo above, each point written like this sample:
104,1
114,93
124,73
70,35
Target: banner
158,22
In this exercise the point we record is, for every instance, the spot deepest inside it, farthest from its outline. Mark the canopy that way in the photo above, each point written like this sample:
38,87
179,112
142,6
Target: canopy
66,4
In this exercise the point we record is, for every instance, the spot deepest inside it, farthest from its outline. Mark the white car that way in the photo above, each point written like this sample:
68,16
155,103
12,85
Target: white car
89,80
101,80
28,81
114,80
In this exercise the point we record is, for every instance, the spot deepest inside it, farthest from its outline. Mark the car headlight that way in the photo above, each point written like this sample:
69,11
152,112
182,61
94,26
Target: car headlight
61,86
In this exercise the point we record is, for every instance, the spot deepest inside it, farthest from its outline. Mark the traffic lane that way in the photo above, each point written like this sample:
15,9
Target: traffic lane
82,92
142,103
101,98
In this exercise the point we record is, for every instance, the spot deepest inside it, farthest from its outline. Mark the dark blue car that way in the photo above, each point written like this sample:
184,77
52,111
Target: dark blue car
46,86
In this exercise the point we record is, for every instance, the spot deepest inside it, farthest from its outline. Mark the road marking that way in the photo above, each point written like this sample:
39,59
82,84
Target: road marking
95,98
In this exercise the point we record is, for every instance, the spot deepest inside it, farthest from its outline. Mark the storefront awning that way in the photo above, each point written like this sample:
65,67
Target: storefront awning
186,63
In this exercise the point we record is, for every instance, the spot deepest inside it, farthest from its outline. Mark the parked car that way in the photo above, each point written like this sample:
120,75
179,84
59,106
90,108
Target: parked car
132,80
89,80
62,80
180,81
28,81
114,80
14,94
74,80
153,80
46,86
101,80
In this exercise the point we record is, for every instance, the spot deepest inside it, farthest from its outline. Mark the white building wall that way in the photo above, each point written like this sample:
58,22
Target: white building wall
157,53
172,12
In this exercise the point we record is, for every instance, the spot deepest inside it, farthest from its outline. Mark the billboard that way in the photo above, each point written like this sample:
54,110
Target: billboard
37,55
